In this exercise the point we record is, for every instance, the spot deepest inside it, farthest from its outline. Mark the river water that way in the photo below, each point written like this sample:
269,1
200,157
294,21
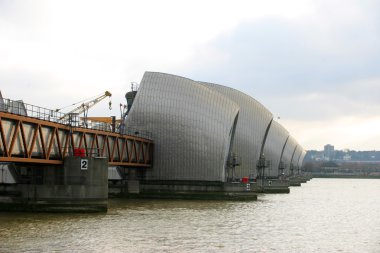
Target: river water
323,215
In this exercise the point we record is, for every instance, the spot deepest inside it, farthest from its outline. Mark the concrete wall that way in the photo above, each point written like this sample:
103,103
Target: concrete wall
62,188
96,175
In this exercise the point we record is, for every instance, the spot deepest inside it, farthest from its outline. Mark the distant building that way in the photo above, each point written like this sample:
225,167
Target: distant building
346,157
328,152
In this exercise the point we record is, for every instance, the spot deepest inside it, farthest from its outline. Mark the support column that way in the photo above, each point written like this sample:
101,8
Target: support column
79,185
133,182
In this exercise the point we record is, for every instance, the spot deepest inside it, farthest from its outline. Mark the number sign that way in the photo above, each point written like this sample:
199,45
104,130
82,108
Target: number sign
84,164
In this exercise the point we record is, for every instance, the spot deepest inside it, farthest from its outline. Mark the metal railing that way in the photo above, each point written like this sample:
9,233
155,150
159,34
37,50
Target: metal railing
20,108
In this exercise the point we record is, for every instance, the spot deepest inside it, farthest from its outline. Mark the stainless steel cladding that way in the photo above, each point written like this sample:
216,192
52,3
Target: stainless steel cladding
192,127
300,162
297,155
252,124
198,126
273,147
17,107
290,146
3,107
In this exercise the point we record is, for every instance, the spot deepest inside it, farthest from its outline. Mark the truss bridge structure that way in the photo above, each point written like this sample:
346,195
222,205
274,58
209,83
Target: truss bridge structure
42,139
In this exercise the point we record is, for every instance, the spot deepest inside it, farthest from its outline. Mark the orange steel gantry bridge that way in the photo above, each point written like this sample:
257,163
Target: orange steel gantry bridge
35,135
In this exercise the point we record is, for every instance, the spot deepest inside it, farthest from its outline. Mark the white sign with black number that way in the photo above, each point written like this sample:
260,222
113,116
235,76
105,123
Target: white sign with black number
84,164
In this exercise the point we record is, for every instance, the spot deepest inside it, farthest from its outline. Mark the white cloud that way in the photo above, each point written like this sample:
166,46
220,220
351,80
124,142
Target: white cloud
308,61
361,133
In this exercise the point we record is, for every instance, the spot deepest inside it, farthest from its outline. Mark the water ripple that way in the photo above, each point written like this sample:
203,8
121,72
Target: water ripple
324,215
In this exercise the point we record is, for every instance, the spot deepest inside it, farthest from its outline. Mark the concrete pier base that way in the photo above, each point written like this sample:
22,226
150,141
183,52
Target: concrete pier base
133,186
194,190
53,206
298,180
273,186
80,185
294,182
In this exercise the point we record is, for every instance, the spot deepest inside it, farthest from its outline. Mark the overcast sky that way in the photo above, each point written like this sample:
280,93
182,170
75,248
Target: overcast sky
314,64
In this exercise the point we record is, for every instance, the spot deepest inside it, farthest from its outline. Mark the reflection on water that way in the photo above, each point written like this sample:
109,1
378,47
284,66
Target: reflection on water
324,215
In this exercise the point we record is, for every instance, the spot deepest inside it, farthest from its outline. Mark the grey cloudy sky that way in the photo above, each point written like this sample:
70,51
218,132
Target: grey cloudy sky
314,64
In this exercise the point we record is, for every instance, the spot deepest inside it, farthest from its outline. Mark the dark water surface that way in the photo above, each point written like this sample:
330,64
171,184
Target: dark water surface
323,215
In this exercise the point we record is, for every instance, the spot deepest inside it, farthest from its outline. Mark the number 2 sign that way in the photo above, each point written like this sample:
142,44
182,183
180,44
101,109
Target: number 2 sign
84,164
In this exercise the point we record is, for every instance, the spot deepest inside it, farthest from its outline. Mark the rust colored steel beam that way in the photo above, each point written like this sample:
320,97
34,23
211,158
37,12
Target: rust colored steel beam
29,160
29,140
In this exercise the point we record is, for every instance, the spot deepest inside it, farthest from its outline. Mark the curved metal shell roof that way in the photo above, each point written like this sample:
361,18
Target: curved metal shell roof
191,125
